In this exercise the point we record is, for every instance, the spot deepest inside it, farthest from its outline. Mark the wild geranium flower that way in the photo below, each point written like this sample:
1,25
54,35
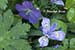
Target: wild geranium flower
58,2
50,32
28,12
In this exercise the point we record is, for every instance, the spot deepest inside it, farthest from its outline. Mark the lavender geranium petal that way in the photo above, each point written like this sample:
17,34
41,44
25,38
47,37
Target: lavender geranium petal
23,15
43,41
57,35
34,15
19,7
53,27
27,4
33,19
36,12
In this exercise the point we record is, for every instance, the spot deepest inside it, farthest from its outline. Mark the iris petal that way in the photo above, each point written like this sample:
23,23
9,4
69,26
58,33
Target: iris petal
43,41
58,2
57,35
53,27
45,25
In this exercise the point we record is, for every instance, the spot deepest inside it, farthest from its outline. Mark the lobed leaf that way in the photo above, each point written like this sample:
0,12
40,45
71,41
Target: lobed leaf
71,15
3,4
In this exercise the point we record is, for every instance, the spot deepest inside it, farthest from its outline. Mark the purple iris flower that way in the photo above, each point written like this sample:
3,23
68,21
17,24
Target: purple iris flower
28,12
50,32
58,2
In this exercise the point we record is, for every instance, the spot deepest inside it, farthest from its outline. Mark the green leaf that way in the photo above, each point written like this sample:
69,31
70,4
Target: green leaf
71,27
60,24
10,36
48,48
36,25
65,43
71,15
69,3
1,49
8,19
21,44
3,4
52,48
16,19
60,48
71,49
20,29
72,43
8,48
44,2
59,16
36,33
0,18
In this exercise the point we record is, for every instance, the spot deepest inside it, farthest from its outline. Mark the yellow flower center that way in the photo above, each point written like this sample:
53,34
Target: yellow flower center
46,25
56,34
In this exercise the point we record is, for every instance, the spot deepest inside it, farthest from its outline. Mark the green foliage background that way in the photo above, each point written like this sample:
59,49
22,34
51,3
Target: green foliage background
16,34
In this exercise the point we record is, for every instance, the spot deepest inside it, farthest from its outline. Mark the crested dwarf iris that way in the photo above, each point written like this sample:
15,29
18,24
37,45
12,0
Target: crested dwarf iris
28,12
50,32
58,2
